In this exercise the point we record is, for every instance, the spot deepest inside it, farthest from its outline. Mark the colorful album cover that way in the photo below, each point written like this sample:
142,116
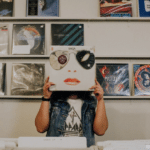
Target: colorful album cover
115,8
114,79
6,8
28,39
3,39
2,78
43,8
67,34
144,8
141,79
27,79
72,68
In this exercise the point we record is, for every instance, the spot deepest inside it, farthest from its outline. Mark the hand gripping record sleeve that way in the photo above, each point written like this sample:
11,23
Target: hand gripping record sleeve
67,34
28,39
2,78
3,39
144,8
72,68
6,8
116,8
141,79
43,8
114,79
27,79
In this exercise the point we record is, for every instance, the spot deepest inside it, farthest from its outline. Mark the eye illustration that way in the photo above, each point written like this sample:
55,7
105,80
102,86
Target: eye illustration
62,59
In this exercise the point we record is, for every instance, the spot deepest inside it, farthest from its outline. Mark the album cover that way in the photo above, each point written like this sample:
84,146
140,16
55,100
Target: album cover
72,68
144,8
43,8
67,34
28,39
141,79
115,8
3,39
114,79
27,79
6,8
2,78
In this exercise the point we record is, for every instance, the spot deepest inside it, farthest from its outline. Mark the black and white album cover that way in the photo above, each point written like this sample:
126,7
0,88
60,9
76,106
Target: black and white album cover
2,78
6,8
28,39
3,39
27,79
114,79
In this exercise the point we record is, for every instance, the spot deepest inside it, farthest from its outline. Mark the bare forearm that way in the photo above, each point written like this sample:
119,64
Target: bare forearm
100,122
42,118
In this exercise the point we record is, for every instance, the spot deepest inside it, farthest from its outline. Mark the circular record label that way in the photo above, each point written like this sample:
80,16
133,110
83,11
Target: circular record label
142,78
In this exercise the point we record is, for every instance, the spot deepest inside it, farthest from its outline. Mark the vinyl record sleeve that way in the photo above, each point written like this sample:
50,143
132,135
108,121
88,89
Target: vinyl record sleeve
141,79
67,34
144,8
43,8
114,79
6,8
27,79
115,8
3,39
28,39
72,68
2,78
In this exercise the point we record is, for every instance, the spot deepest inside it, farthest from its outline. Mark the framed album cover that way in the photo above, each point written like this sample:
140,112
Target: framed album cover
72,68
144,8
27,79
29,39
6,8
114,79
3,39
141,79
45,8
67,34
115,8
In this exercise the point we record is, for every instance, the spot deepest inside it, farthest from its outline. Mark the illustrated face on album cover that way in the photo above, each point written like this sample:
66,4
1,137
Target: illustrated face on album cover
72,68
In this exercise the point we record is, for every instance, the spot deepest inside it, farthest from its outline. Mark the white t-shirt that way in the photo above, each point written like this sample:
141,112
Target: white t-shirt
73,126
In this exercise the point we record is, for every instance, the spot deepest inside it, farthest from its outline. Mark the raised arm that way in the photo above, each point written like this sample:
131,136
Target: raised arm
42,118
100,124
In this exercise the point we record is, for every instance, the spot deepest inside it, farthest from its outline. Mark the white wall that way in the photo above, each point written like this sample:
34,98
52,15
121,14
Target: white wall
128,119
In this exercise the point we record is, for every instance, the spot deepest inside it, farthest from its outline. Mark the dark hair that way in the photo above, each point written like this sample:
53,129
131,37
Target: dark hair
65,94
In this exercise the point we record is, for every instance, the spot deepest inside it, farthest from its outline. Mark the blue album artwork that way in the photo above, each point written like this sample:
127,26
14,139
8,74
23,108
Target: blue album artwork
43,8
6,8
67,34
114,79
144,8
141,79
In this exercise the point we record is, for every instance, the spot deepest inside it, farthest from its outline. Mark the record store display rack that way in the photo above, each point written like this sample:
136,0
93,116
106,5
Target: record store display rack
28,28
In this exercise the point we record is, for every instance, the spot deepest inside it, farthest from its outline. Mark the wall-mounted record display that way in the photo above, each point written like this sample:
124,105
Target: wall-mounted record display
114,79
3,39
6,8
27,79
67,34
144,8
2,78
141,79
28,39
42,8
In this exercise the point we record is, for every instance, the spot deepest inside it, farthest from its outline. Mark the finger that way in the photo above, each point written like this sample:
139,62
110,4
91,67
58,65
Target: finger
47,79
52,83
97,83
93,87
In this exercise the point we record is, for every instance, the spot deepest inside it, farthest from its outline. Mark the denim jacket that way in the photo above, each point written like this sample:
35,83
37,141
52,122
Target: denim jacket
59,111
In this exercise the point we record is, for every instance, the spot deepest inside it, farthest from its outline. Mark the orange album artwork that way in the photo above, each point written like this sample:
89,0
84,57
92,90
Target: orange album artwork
72,68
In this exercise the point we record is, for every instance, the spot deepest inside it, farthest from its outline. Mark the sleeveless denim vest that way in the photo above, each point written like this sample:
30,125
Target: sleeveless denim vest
59,111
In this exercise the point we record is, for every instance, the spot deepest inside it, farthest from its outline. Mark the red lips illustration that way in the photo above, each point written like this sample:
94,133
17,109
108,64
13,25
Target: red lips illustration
70,81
